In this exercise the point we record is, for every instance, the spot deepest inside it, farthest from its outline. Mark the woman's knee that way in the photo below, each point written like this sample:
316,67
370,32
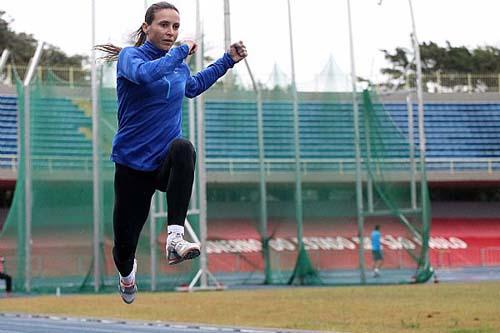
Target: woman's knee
182,150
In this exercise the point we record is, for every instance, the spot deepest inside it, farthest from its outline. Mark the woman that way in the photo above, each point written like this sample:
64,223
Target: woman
148,151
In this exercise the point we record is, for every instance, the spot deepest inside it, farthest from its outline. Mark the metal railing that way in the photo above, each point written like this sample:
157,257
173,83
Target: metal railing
274,165
436,82
439,82
342,166
68,76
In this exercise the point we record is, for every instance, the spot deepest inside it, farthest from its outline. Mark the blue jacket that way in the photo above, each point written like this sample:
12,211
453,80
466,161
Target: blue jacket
151,84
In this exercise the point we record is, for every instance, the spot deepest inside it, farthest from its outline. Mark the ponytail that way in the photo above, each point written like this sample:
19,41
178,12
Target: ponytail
140,37
112,51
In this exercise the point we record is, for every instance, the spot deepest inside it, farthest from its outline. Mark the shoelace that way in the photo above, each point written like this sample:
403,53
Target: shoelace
127,285
176,239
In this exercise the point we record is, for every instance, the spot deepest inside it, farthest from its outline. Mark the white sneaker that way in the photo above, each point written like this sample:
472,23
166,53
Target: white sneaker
178,249
128,290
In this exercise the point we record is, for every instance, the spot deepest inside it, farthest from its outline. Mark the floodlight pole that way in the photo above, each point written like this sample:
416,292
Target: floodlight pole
27,163
357,147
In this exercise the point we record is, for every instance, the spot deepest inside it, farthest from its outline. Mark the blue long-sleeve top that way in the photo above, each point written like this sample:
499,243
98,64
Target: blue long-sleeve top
151,84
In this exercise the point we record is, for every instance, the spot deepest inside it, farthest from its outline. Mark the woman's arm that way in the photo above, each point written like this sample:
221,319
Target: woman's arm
204,79
136,69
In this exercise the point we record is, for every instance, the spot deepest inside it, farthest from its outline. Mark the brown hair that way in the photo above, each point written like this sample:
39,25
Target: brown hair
112,51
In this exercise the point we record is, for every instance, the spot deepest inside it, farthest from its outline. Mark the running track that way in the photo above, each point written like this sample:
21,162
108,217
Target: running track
21,323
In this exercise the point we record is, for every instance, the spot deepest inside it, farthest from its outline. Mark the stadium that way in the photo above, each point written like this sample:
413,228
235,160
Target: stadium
291,180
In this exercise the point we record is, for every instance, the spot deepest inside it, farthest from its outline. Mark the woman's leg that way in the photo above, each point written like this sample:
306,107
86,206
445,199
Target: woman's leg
8,281
176,177
133,192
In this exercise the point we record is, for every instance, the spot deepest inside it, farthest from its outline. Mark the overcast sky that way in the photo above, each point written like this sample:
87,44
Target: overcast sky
320,27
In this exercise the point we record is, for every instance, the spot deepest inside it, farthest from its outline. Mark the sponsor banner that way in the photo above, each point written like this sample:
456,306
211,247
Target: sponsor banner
339,243
236,245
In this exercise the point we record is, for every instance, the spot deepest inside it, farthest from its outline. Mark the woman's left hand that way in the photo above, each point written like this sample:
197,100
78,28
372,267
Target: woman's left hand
238,51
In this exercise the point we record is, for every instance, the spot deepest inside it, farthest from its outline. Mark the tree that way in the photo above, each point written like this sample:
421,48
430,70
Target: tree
22,47
448,59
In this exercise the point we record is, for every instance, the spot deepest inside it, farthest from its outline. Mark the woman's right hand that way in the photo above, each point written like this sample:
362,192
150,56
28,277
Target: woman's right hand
193,47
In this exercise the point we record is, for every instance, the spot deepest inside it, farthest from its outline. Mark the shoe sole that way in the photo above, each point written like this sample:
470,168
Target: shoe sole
124,299
177,259
128,302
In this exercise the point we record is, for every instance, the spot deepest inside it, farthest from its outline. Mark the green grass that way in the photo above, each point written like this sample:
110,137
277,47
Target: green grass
449,308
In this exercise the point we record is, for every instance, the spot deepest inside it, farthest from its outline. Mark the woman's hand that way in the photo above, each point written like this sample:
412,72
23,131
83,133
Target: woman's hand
238,51
193,47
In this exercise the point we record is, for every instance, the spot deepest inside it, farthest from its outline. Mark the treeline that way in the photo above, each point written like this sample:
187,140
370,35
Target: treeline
22,47
446,59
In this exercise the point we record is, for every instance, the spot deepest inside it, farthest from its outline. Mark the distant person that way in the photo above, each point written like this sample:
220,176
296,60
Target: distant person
148,149
5,276
377,254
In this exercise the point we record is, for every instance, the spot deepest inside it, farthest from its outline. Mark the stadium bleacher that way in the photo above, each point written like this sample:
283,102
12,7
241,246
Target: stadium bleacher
456,129
56,135
453,130
8,131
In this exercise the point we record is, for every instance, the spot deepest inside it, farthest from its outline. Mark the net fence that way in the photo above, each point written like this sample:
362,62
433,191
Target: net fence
281,191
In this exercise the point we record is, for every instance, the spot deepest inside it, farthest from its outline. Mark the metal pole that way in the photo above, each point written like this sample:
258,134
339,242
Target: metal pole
420,98
296,138
202,177
227,25
369,180
3,60
27,163
421,130
27,190
152,239
357,146
95,161
262,176
192,138
411,142
228,79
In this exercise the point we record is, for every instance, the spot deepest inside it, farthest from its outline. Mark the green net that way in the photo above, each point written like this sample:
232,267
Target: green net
277,213
61,250
310,232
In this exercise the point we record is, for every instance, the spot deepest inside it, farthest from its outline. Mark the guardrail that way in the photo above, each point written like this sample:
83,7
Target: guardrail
436,82
439,82
232,166
341,166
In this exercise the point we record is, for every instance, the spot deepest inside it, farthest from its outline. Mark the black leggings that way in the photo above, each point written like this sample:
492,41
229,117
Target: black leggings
8,281
134,190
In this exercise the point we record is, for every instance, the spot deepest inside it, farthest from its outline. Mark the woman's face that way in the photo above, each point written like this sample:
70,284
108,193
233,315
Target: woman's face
164,29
